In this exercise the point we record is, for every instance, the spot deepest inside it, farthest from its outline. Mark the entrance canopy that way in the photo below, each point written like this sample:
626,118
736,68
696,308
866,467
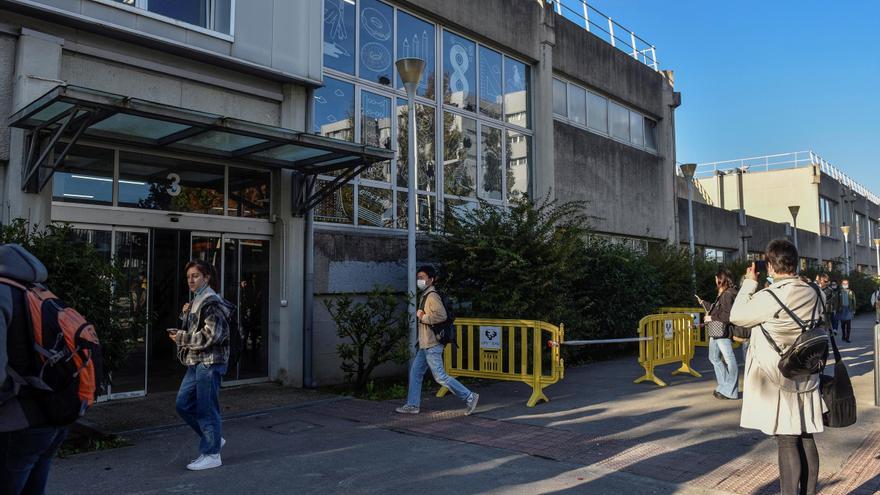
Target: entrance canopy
67,113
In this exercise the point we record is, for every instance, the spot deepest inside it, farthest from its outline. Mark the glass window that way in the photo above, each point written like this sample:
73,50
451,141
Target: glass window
577,105
516,92
425,162
490,156
597,112
426,211
560,98
376,50
85,176
189,11
637,129
249,193
339,36
650,134
334,109
490,83
337,207
518,164
374,207
376,131
160,183
459,71
619,122
415,38
459,155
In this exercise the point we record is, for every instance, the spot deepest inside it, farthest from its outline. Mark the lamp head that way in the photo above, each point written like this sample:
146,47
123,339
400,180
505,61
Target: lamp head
794,210
845,230
688,169
410,70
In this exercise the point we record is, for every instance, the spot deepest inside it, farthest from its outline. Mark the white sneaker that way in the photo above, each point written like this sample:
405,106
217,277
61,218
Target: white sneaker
197,459
472,404
407,409
208,461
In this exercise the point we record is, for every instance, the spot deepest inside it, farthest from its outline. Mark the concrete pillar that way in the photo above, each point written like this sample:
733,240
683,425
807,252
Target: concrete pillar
37,70
666,147
542,111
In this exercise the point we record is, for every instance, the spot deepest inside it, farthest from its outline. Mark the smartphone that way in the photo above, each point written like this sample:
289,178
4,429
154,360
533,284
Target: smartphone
761,266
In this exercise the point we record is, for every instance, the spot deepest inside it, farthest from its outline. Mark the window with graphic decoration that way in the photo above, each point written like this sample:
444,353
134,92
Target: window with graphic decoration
472,117
861,227
214,15
827,216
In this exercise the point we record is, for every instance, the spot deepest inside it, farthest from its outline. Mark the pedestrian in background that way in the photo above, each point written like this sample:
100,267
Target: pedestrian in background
823,281
875,303
846,308
790,410
833,306
721,348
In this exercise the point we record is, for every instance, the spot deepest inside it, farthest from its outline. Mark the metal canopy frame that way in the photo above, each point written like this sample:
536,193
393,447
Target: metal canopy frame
66,113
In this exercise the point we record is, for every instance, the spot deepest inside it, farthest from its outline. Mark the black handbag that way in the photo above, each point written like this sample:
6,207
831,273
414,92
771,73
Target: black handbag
808,353
837,392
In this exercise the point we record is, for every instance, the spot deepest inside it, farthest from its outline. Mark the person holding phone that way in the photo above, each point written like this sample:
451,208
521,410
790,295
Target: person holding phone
721,349
203,347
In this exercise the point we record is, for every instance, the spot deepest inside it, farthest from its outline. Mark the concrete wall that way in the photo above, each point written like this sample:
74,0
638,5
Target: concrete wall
271,36
7,59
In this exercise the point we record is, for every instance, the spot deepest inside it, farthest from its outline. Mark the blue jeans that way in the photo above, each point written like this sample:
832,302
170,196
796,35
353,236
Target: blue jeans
432,358
26,459
198,403
726,370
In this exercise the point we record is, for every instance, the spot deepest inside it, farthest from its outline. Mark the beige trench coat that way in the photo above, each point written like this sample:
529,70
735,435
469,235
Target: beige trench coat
772,403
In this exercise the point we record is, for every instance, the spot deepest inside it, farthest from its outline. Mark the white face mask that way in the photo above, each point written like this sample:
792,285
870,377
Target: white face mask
845,286
421,284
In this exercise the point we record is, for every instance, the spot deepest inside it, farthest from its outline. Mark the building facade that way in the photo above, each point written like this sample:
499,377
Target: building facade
270,138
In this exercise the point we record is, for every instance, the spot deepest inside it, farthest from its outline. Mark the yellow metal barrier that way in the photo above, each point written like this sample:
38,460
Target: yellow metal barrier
511,350
671,341
701,338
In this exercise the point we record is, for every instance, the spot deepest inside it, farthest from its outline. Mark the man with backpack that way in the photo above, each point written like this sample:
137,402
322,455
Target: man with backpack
35,410
435,323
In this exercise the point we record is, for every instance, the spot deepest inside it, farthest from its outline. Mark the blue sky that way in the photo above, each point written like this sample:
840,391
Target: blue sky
772,76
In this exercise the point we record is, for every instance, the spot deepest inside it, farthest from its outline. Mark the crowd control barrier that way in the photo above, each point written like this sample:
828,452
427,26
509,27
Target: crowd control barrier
670,339
700,337
511,350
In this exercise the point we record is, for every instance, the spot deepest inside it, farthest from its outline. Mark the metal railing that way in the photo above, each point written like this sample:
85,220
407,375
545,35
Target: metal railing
783,161
603,26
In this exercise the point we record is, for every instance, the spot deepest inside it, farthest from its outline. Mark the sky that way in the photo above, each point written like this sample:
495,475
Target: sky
767,77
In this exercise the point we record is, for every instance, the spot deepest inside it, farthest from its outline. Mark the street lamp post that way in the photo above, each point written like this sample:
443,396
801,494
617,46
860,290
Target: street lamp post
687,170
794,212
845,230
410,70
877,248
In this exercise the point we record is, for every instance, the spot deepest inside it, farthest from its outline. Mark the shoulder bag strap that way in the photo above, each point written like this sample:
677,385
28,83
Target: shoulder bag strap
793,316
771,341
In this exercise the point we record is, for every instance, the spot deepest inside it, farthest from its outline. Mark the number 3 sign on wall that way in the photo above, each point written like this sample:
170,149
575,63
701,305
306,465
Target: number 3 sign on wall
174,188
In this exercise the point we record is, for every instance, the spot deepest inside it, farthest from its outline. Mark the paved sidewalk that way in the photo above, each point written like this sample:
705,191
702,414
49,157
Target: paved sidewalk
600,434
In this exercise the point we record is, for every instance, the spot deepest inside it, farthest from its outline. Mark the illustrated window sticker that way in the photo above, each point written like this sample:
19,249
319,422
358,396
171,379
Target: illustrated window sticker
415,38
376,51
459,71
339,36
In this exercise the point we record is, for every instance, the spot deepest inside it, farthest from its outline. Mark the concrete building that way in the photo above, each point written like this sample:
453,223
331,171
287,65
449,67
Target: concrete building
207,129
764,188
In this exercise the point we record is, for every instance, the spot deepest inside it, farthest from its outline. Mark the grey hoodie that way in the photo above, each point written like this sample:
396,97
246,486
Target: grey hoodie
17,264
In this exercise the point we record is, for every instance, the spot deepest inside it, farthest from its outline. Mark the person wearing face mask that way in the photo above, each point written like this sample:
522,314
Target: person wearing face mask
846,308
430,351
203,347
832,306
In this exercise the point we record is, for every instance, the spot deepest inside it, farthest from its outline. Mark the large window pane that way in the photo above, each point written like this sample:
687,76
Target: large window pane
519,147
85,176
650,134
459,71
516,92
191,11
160,183
597,112
415,38
459,155
376,131
426,166
426,211
490,83
637,129
337,207
560,98
376,51
374,207
334,109
249,193
577,105
490,169
619,122
339,36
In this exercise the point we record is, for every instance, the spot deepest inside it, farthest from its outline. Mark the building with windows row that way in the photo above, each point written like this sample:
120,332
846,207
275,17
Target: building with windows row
270,139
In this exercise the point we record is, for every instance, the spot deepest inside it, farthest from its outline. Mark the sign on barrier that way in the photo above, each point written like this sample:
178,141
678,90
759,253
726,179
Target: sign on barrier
701,337
511,350
669,339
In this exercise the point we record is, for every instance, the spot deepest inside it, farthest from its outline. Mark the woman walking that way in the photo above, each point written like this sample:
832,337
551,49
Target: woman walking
721,349
203,347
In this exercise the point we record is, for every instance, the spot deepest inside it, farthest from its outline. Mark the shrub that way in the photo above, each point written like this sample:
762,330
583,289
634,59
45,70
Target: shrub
376,332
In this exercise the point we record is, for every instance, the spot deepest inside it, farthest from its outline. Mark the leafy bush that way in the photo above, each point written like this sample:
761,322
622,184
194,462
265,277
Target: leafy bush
861,283
376,332
80,276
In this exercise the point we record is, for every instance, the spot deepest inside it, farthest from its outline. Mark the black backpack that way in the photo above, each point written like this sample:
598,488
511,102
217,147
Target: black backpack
445,330
807,354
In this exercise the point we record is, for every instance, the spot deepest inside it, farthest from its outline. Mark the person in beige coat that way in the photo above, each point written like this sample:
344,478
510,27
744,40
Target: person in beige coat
791,410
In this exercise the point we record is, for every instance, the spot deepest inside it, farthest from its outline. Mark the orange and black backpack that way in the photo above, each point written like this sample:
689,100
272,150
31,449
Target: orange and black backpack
68,372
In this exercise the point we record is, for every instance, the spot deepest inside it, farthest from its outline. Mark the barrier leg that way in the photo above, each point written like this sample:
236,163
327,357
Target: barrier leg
442,392
537,394
686,368
649,376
